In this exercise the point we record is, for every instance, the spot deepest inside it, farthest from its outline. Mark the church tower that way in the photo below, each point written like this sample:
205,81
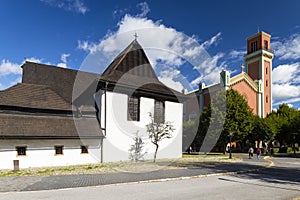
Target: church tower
259,67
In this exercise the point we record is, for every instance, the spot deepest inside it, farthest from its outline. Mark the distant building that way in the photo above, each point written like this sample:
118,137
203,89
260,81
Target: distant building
59,117
254,83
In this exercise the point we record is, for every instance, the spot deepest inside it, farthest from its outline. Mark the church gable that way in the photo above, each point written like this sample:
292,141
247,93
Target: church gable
248,93
132,60
243,77
131,71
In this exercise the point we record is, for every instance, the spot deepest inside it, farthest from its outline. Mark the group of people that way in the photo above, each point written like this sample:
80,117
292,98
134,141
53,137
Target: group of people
251,152
269,150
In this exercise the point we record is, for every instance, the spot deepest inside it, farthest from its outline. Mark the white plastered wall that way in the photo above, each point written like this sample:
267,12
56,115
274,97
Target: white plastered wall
120,132
41,153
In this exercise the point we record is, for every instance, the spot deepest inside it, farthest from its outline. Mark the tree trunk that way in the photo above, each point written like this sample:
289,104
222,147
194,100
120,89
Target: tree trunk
155,153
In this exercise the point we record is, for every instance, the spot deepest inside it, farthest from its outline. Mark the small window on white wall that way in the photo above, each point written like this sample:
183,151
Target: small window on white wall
21,151
59,150
84,149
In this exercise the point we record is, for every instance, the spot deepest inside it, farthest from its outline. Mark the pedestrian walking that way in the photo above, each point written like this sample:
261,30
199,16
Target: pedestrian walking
250,151
258,153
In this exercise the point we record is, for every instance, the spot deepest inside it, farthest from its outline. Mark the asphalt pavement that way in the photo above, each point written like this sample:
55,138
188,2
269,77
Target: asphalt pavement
36,183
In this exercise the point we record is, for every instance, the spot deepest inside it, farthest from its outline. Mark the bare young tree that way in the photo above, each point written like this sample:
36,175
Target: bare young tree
136,150
159,130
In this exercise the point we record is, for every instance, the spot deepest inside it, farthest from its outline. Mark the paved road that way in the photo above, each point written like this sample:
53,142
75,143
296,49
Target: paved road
279,182
71,181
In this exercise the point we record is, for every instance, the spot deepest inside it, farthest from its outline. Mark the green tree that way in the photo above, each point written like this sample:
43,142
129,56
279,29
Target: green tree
283,119
228,112
262,130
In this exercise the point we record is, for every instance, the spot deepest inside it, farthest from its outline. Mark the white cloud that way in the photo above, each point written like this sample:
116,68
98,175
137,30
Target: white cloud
213,41
288,101
167,77
237,54
285,91
33,59
211,68
87,46
7,68
286,83
290,105
286,73
77,6
288,48
163,46
63,65
63,58
144,8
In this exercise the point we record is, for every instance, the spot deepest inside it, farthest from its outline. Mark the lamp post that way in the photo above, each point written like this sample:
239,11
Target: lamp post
230,155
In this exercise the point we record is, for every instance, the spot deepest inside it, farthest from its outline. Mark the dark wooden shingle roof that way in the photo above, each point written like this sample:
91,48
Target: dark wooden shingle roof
16,126
60,80
131,68
33,96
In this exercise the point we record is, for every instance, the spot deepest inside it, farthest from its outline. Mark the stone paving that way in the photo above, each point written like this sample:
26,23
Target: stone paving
33,183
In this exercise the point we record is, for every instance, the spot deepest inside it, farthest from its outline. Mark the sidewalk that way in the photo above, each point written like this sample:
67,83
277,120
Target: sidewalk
193,169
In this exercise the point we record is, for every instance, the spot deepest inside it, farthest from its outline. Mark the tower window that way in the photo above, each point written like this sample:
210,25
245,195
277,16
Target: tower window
267,99
254,46
266,70
266,83
266,45
133,109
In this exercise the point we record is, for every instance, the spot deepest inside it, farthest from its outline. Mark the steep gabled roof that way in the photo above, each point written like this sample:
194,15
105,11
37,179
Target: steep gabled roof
132,69
33,96
132,60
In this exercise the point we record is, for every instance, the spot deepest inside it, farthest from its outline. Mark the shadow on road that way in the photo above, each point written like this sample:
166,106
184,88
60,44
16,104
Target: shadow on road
281,175
220,167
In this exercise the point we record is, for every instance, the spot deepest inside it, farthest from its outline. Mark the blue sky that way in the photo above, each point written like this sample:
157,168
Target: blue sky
186,41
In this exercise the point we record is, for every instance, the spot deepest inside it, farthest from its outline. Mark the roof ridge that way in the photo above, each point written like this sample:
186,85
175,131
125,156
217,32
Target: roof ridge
245,76
132,47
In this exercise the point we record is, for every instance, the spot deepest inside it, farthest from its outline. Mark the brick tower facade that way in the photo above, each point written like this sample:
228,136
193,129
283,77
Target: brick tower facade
259,67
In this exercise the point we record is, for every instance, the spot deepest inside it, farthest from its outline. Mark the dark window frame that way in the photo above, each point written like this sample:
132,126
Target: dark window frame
266,45
254,46
21,150
84,149
159,116
133,108
59,150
